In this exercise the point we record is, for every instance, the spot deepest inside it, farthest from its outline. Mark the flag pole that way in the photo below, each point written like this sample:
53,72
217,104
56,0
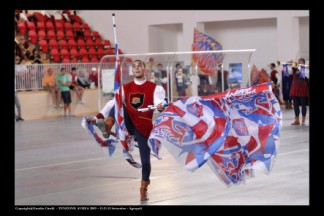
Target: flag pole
116,71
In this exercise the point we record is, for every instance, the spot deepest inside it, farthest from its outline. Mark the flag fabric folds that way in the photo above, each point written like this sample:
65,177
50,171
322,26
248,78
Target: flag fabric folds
235,132
259,77
206,62
108,146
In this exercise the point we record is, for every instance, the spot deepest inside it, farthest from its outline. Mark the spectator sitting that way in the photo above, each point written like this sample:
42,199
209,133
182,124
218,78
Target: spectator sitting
76,87
82,79
49,84
94,76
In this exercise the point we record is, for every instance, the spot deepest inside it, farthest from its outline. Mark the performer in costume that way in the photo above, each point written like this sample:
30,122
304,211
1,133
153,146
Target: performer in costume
287,79
299,92
275,78
136,94
139,94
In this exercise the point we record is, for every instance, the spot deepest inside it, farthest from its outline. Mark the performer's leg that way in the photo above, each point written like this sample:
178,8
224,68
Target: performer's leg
304,108
296,110
144,150
106,125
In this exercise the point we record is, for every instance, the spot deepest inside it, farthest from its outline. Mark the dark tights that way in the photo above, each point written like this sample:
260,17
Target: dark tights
300,101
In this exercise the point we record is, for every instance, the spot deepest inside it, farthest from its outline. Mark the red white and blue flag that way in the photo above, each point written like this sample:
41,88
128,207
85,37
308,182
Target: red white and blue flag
207,63
234,132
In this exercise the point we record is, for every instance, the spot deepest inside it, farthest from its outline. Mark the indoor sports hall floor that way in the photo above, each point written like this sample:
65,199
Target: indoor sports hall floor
58,163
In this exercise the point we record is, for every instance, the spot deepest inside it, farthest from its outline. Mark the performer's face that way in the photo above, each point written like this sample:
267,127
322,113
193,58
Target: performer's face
138,69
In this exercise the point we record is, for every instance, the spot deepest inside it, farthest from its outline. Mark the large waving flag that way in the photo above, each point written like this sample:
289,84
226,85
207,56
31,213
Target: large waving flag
235,132
206,62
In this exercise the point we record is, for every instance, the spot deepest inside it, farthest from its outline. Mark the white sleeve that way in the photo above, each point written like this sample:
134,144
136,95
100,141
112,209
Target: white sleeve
306,72
290,71
159,95
278,78
105,111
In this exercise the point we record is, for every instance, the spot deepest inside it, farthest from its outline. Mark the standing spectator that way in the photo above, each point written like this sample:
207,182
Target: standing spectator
150,64
63,82
299,92
17,103
180,78
164,77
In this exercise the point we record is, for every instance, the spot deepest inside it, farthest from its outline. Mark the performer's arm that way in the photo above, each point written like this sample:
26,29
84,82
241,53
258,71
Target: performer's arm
159,95
279,79
104,112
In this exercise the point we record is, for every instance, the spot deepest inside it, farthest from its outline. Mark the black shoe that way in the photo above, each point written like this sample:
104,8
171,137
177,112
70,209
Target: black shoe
19,119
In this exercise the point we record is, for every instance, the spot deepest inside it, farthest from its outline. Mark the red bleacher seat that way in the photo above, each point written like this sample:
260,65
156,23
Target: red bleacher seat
92,52
100,53
51,35
43,46
110,51
72,44
56,55
76,26
83,52
74,53
85,60
76,18
40,26
40,17
69,34
53,44
59,25
74,60
90,43
49,25
63,44
65,53
87,34
107,44
31,26
41,35
85,26
95,35
81,44
66,60
60,35
98,43
22,27
94,59
32,36
67,26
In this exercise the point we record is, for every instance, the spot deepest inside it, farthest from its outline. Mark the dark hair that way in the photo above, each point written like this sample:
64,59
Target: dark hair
273,64
137,60
73,68
303,60
159,64
178,64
